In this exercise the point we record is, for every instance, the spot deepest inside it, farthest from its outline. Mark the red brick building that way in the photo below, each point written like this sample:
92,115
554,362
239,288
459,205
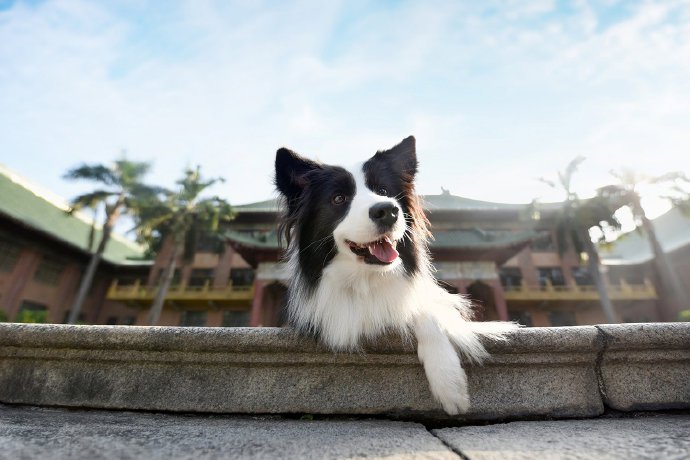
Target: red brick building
43,252
495,253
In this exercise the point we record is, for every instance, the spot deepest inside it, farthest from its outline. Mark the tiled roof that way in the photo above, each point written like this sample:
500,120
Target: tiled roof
443,239
477,238
442,202
37,209
260,206
255,239
673,231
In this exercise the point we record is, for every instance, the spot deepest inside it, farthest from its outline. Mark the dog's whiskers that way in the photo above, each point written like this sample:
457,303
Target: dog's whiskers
320,242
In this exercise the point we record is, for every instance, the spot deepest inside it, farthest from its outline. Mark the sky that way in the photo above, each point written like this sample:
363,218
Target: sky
497,93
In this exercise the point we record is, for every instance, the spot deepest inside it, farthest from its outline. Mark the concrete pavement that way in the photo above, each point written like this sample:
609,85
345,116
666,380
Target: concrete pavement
56,434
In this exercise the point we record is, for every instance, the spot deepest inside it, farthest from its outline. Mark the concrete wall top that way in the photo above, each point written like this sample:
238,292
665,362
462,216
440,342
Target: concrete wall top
539,372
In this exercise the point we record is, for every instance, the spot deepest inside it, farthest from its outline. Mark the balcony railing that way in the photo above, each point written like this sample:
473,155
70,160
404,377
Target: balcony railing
623,291
136,292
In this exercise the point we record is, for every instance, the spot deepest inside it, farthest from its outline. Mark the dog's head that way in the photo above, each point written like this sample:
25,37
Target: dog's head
368,215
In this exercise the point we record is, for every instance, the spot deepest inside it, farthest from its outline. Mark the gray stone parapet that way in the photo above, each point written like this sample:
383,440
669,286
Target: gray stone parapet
539,372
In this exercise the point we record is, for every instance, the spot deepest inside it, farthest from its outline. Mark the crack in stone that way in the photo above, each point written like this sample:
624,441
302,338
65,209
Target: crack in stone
450,447
603,341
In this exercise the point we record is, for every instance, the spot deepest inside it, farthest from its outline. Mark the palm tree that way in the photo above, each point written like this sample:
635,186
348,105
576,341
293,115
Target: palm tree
626,193
181,216
120,187
573,222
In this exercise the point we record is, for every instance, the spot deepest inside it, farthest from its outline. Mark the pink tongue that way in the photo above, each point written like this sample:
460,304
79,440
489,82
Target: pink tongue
383,251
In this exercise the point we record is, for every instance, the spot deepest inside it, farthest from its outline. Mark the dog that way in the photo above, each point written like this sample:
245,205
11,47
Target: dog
357,251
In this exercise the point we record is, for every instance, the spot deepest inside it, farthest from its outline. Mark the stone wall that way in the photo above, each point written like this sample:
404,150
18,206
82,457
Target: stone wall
540,372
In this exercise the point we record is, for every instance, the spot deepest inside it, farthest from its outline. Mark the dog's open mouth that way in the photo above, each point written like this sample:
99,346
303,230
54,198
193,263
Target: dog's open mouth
379,252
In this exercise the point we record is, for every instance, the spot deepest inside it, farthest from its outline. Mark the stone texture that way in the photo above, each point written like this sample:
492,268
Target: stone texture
646,366
653,436
539,372
35,433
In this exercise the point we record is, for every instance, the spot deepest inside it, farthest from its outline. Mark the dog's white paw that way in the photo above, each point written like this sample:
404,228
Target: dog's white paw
447,378
452,395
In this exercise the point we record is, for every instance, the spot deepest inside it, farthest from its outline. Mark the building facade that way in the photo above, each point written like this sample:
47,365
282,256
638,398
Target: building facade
495,253
43,253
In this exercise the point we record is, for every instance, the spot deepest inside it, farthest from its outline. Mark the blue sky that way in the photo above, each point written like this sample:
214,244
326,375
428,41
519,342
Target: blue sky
497,93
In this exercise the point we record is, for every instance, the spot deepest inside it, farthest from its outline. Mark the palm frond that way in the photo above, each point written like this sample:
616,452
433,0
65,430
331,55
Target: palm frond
90,200
672,176
92,172
566,176
546,181
130,173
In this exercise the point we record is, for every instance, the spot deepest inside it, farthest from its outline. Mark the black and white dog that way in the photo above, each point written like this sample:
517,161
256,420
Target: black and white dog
358,257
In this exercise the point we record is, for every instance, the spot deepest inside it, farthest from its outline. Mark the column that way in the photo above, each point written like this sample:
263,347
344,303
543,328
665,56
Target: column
222,274
66,292
499,300
462,284
22,273
256,319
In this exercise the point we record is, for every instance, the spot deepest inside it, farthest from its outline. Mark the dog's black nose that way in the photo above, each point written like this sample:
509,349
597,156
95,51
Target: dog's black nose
384,214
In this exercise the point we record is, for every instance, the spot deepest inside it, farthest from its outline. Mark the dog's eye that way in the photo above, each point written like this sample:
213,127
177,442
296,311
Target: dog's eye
383,191
339,198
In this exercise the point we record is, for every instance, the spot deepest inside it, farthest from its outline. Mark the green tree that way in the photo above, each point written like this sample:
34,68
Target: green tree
626,193
119,190
574,220
181,216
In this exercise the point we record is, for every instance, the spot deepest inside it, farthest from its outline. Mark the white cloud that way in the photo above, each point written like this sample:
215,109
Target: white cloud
496,95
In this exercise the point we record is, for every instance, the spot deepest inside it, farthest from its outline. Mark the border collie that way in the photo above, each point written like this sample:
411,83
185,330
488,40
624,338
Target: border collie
359,260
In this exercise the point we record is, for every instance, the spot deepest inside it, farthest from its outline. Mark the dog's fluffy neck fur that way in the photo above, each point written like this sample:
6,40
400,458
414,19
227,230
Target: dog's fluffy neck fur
350,305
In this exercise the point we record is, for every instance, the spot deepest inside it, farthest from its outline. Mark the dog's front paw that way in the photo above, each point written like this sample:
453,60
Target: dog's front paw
447,379
452,396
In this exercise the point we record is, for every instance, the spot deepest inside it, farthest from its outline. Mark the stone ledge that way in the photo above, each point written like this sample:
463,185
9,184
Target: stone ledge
541,372
646,366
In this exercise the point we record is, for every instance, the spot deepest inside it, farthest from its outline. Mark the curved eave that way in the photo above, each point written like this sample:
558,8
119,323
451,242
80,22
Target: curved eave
498,254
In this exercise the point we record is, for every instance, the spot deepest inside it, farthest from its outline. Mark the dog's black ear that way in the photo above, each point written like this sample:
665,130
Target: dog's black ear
290,171
403,156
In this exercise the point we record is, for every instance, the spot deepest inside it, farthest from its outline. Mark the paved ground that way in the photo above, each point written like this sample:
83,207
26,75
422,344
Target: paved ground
28,433
650,436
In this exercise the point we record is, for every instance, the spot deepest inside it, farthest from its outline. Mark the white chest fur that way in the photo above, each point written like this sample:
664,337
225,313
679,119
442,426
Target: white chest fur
349,305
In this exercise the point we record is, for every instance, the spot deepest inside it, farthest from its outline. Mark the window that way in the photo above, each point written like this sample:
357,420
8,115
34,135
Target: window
200,276
49,271
129,320
616,277
543,244
562,318
32,312
80,319
582,276
552,274
242,276
209,243
236,318
126,321
510,277
9,255
193,318
176,277
128,281
522,317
